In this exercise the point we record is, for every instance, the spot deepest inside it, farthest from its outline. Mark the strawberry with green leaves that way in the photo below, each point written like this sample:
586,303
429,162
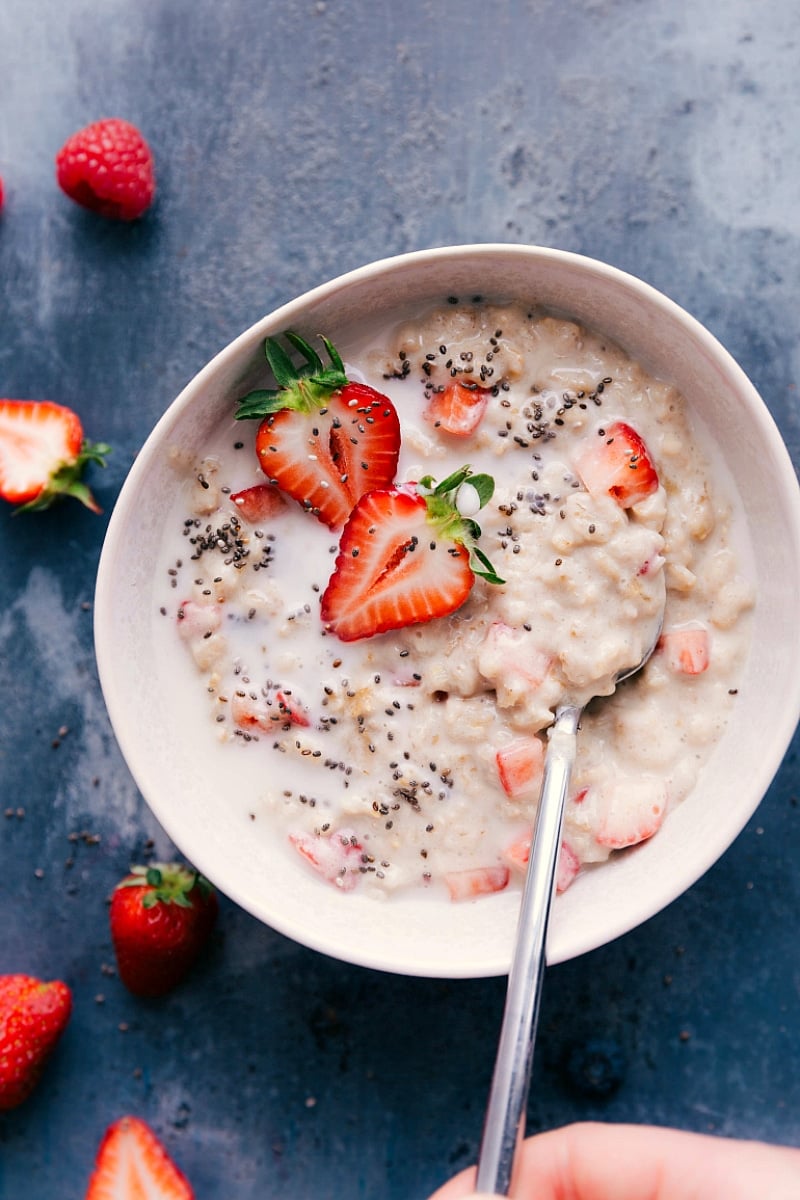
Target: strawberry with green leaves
133,1164
408,554
323,439
33,1016
43,454
161,918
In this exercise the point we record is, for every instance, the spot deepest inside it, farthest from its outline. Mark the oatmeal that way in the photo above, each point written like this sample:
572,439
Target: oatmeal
408,752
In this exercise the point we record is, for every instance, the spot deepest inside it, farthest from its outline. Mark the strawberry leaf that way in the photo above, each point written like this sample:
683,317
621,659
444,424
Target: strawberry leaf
480,565
302,388
280,363
442,512
66,480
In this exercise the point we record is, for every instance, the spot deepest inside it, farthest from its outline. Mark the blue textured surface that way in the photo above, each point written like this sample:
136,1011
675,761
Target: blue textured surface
295,140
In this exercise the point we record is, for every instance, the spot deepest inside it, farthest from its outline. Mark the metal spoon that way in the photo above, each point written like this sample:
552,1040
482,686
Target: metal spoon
504,1125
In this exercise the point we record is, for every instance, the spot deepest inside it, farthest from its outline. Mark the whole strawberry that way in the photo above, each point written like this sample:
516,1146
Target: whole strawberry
108,168
33,1015
161,917
43,454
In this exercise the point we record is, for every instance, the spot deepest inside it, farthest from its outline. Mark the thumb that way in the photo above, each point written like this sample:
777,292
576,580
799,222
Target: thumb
637,1162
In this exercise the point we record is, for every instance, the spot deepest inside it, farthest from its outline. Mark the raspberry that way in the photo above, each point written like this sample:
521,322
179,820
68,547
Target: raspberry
108,168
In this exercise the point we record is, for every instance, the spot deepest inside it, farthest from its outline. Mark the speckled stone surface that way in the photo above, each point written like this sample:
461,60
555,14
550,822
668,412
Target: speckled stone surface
295,140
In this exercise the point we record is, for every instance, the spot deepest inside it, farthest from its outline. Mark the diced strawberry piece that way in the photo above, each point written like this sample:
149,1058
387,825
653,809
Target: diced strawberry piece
259,503
508,652
519,852
458,409
283,711
198,620
132,1163
520,765
618,466
631,813
477,881
568,867
338,858
405,556
686,651
291,710
248,713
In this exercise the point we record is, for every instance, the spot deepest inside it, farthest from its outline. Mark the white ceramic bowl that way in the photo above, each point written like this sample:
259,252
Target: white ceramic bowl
410,934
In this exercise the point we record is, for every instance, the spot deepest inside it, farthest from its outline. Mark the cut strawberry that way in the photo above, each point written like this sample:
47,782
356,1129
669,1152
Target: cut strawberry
476,881
198,620
618,466
458,408
631,813
43,453
284,711
132,1164
520,765
291,711
406,555
324,440
510,657
518,853
338,858
258,503
686,651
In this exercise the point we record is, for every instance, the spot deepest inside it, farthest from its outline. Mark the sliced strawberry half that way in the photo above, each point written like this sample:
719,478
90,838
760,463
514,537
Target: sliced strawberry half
406,555
323,440
43,453
619,465
458,408
132,1162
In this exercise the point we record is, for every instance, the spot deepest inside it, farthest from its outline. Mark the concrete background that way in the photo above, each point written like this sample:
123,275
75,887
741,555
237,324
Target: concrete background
295,140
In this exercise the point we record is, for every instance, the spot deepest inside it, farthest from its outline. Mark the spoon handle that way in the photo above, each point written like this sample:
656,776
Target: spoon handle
504,1125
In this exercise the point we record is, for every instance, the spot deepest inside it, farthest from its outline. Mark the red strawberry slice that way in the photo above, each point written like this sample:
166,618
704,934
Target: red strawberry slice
324,440
476,881
520,765
458,408
258,503
620,466
132,1164
337,857
406,555
43,454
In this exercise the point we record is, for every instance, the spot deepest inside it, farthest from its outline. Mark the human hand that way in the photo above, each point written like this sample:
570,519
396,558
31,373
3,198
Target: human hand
639,1162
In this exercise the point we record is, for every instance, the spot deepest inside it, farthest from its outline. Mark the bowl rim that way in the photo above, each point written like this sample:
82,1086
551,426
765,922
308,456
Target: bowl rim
282,317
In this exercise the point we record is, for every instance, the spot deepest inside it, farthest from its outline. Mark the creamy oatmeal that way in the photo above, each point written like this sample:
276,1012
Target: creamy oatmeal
413,757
